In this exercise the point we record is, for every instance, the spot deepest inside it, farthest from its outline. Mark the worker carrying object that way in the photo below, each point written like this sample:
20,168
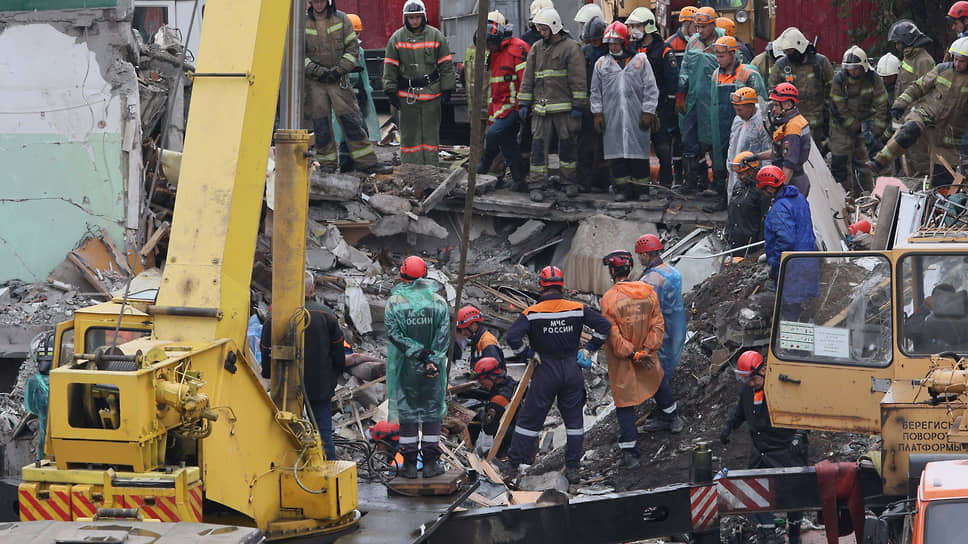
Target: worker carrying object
810,72
554,92
553,327
324,359
772,447
507,60
418,74
634,371
332,52
748,205
857,96
471,331
938,112
623,80
418,328
667,282
791,137
494,379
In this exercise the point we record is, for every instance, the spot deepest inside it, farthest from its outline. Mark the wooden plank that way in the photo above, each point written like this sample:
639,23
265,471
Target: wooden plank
119,258
461,387
443,484
155,238
88,273
511,409
492,474
525,497
482,500
441,191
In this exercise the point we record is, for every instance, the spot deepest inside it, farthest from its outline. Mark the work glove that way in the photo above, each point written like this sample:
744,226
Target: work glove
445,95
799,445
641,358
315,71
681,103
724,436
330,76
897,112
424,356
576,113
393,99
523,113
584,358
649,121
599,122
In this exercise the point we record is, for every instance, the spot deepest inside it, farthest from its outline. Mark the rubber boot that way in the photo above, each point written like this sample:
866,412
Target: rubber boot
629,459
690,177
519,177
793,533
486,160
623,192
409,470
892,150
673,423
573,474
838,169
432,467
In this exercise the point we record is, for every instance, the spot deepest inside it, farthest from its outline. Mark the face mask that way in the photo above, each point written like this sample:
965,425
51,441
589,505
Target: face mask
637,34
796,57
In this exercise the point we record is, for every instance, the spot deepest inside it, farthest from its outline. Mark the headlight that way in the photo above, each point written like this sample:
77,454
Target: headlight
742,16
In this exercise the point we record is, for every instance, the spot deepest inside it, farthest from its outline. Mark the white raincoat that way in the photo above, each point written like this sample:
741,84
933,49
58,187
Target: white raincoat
622,94
746,136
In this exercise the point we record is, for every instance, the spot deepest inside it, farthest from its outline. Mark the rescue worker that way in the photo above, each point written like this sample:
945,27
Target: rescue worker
532,35
667,282
554,90
553,327
332,52
747,204
37,388
888,67
772,447
418,75
857,96
811,73
624,80
360,83
593,172
586,13
729,29
912,46
692,99
471,331
471,53
937,112
645,37
506,64
729,75
634,371
418,330
680,38
764,61
788,225
791,137
499,386
958,19
747,133
323,361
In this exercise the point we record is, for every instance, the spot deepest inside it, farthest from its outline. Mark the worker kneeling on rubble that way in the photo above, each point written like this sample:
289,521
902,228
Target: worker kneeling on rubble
332,52
624,79
632,350
553,327
772,447
418,327
471,330
494,379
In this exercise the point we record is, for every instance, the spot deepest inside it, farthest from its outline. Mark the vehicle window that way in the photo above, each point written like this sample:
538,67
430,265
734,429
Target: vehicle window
66,351
96,337
944,522
934,289
720,5
834,309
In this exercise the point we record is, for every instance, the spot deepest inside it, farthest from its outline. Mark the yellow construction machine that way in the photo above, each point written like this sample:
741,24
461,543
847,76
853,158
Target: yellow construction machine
876,341
153,402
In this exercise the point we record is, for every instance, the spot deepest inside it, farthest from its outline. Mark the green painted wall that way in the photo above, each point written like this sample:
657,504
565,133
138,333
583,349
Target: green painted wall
54,190
31,5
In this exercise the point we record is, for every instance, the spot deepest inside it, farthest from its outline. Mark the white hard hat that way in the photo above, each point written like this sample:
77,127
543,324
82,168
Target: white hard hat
414,7
642,15
497,17
792,38
549,17
959,48
888,65
538,5
586,12
855,57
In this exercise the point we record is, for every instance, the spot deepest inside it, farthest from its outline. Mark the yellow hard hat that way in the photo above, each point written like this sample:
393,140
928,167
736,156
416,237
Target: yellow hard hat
357,22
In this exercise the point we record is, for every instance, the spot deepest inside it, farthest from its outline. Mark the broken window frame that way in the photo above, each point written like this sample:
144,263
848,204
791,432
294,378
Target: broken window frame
912,295
878,298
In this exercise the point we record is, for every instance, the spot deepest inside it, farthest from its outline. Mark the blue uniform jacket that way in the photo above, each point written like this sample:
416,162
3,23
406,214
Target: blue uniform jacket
554,325
788,227
667,283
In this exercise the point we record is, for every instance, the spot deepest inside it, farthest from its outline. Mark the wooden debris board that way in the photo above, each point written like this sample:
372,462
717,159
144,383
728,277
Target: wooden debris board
511,409
444,484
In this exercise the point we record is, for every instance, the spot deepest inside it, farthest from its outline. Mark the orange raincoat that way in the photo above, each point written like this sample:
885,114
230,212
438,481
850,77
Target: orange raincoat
633,309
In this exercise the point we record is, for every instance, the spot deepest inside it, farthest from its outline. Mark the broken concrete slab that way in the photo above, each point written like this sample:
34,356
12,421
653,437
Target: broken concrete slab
338,187
359,211
389,204
530,228
320,259
698,262
483,184
359,309
388,225
541,482
443,190
482,225
427,227
346,254
595,237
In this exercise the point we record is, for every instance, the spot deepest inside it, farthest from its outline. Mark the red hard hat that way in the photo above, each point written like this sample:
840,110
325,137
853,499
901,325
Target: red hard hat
770,176
617,259
747,364
616,32
413,268
958,10
487,366
785,91
384,430
648,242
467,315
551,276
861,226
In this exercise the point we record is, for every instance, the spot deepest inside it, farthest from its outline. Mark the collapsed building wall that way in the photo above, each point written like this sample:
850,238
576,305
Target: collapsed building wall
70,130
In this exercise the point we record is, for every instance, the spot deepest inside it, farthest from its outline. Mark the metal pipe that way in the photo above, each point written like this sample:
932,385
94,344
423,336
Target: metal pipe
184,311
291,83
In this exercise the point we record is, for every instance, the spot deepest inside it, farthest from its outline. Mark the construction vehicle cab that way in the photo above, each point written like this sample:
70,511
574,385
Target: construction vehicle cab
873,342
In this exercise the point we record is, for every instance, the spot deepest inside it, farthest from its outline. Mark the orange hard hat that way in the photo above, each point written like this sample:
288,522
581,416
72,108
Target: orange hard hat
551,276
743,95
705,15
725,43
688,13
357,22
744,162
727,25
